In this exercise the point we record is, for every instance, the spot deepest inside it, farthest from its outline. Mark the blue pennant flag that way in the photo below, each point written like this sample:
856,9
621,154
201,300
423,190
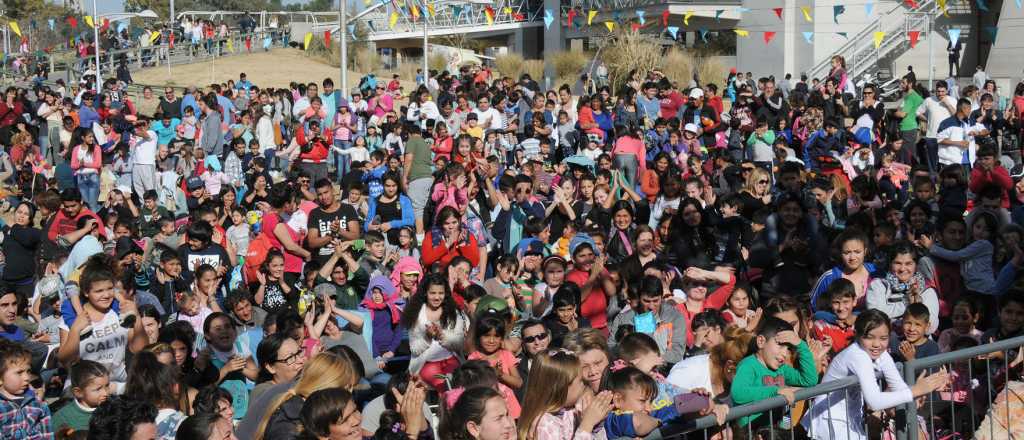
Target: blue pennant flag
352,31
868,7
992,31
808,36
673,30
703,35
837,10
954,36
842,34
640,15
718,15
457,10
982,6
548,19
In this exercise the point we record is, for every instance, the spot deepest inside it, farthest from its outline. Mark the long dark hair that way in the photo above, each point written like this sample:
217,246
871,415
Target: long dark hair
471,407
449,313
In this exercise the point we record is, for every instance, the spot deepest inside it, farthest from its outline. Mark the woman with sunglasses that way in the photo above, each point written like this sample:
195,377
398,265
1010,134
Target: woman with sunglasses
757,192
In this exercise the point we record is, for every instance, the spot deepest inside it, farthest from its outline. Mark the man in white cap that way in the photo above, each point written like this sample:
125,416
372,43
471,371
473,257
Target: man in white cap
704,116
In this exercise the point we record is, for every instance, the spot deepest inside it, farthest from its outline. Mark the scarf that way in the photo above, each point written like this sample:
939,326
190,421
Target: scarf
388,304
899,290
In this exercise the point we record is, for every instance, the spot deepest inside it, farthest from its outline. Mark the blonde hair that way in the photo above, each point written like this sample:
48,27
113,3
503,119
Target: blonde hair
325,370
756,174
547,387
733,348
21,138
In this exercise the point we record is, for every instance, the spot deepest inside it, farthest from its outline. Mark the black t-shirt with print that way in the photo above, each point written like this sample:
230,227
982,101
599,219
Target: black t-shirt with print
321,221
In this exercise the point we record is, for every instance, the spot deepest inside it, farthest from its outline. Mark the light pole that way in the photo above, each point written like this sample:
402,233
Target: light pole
426,73
96,42
343,40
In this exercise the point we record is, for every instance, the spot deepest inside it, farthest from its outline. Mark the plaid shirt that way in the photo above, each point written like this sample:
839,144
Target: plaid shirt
27,419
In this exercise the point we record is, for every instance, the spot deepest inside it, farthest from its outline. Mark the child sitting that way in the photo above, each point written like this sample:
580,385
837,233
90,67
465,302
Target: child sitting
384,315
965,317
915,343
488,335
451,192
633,392
90,385
738,311
765,374
23,414
842,297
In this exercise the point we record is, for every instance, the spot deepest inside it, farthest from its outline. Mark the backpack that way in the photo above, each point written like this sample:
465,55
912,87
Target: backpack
259,247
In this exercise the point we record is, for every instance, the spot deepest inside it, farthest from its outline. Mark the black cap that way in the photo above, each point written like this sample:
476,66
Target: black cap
126,246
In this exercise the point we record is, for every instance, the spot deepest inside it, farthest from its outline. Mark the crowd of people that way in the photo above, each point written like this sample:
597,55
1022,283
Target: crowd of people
482,259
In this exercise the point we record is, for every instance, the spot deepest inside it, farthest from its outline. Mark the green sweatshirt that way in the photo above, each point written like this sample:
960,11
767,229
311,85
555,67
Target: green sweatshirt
71,416
754,381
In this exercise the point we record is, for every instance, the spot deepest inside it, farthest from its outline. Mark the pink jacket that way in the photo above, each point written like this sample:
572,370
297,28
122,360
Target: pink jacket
445,195
95,164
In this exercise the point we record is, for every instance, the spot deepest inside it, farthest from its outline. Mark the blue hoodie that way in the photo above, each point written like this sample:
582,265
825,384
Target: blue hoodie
386,332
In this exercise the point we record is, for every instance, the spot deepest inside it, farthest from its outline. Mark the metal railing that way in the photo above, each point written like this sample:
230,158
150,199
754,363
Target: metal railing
845,385
912,368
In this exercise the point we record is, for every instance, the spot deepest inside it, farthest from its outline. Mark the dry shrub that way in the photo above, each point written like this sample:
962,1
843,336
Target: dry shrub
711,70
568,63
510,64
437,62
628,51
408,68
535,68
365,60
678,66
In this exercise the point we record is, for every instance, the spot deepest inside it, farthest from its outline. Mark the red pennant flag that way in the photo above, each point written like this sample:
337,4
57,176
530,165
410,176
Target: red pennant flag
248,44
664,18
106,25
768,35
171,40
327,39
73,22
572,14
634,26
518,17
912,4
778,12
914,35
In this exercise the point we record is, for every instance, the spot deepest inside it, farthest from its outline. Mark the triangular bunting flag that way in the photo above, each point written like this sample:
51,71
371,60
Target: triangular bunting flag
673,31
507,10
954,36
305,41
352,31
106,24
457,11
843,34
634,27
640,16
327,39
431,10
741,32
414,11
719,12
808,35
489,13
837,10
703,35
914,36
778,12
617,16
590,16
393,20
121,27
610,25
154,36
912,4
73,22
568,21
248,44
14,27
664,17
982,6
942,6
548,19
686,17
868,7
170,40
768,35
309,38
88,21
266,43
518,16
1018,4
992,32
807,13
878,38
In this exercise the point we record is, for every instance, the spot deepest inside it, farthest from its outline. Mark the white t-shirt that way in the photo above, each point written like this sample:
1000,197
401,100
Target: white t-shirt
936,113
106,345
490,114
145,150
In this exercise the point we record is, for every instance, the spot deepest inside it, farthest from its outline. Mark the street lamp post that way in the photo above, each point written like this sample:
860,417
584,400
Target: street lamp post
343,40
96,42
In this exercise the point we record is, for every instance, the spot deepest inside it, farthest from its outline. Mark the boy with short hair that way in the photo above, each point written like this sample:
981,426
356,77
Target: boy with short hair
842,297
765,374
23,415
372,263
151,213
915,343
90,385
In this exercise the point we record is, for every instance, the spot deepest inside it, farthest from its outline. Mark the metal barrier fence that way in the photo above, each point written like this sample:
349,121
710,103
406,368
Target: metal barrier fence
692,428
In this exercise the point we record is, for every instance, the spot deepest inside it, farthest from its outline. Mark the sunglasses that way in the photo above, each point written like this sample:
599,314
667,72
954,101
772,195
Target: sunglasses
531,339
763,182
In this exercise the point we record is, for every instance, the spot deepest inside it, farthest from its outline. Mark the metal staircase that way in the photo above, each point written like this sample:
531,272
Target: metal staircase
863,58
454,17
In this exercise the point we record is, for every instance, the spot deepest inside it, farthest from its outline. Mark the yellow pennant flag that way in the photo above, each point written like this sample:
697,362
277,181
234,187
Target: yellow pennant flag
88,21
686,18
742,33
590,16
154,36
942,6
807,13
14,27
305,41
414,11
878,38
430,9
610,25
508,10
393,20
231,46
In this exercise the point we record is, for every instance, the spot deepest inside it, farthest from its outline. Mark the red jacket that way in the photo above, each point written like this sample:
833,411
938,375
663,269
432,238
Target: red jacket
998,177
436,251
320,148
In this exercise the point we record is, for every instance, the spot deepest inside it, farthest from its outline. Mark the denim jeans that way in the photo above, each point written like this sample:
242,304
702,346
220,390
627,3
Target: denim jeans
89,186
341,159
